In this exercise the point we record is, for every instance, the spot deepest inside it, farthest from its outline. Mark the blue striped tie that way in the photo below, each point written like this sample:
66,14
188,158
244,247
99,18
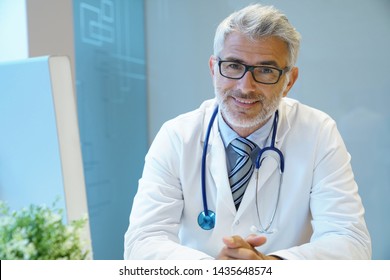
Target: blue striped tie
242,171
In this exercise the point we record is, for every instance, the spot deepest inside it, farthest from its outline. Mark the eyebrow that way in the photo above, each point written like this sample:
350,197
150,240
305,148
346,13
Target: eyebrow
261,63
270,63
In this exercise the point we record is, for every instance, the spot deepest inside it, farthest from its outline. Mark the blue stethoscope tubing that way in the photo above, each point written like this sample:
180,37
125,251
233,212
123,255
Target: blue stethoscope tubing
206,218
272,146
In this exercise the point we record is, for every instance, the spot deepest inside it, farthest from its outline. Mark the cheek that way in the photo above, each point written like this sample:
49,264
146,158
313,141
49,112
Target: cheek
229,84
222,84
275,91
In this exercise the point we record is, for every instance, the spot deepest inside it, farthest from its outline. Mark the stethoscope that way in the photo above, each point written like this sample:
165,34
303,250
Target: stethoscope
206,218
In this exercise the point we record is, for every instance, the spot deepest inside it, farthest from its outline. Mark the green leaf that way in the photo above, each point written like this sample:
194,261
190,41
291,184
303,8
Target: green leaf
38,232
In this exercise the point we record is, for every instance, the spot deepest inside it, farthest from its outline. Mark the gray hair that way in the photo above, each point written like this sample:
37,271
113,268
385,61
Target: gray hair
256,22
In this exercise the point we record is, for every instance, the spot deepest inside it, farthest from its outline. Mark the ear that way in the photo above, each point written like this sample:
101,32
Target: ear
293,76
212,62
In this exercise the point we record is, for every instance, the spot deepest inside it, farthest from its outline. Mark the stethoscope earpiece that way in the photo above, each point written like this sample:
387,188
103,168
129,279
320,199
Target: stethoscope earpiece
255,229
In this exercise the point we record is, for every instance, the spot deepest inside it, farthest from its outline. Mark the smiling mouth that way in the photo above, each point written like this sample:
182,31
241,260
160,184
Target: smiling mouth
245,101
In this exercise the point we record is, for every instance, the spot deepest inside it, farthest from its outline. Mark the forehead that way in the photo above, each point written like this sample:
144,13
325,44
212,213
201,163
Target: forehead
255,52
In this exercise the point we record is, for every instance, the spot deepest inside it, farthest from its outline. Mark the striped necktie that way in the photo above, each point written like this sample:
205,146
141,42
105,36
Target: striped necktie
242,171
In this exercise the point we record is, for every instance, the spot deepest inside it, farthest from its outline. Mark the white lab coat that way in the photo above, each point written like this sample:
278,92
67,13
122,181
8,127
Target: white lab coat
320,214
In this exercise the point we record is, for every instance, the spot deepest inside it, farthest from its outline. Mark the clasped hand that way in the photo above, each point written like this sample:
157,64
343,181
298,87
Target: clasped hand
238,248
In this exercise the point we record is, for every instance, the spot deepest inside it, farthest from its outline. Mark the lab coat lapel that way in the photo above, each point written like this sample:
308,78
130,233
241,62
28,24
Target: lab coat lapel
218,172
217,181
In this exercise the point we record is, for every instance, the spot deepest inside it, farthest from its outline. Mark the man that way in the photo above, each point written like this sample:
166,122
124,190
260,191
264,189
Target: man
269,178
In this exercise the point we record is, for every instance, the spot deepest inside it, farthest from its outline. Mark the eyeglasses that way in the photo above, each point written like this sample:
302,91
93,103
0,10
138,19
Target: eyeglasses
262,74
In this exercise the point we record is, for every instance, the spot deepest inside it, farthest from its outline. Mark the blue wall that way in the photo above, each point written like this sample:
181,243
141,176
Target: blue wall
344,72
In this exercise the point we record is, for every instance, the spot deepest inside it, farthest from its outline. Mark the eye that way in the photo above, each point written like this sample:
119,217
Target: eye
266,70
234,66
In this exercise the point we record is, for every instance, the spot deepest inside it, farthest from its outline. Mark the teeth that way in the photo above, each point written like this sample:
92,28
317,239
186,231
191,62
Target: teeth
245,101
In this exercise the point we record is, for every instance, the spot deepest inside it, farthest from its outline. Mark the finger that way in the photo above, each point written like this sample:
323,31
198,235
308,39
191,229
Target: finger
238,248
241,253
235,242
227,253
256,240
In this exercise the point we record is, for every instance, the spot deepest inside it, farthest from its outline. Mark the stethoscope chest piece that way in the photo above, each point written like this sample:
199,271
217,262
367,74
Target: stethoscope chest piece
206,221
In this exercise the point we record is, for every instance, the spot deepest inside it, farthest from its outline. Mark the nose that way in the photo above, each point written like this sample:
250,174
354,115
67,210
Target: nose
247,83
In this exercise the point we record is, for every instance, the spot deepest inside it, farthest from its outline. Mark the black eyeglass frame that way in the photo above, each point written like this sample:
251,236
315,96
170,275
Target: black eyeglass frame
251,68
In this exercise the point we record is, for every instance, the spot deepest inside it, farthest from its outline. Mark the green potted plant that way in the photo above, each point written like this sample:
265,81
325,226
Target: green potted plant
39,233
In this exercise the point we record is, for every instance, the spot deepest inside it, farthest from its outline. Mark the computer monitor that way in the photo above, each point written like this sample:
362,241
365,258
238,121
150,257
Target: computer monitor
40,153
